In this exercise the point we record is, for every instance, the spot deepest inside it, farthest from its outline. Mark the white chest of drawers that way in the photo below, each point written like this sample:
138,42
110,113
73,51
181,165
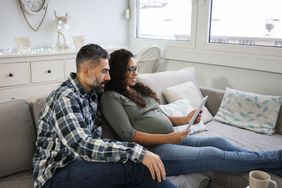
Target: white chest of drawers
23,76
28,75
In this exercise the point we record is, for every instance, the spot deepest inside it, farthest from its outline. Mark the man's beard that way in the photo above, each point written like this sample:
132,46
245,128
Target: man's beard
101,88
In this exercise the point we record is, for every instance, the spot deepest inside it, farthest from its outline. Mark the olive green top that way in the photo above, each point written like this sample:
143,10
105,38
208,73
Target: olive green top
125,117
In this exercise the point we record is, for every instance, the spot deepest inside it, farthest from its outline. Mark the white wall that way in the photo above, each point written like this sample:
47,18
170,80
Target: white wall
100,21
255,73
222,76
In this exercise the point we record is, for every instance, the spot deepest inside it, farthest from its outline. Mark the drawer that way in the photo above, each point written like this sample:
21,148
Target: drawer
14,74
44,71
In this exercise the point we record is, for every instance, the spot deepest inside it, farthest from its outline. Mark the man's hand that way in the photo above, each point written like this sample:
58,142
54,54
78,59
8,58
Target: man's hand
177,136
155,165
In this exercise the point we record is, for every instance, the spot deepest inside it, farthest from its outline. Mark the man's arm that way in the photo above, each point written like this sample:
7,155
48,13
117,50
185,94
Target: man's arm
75,134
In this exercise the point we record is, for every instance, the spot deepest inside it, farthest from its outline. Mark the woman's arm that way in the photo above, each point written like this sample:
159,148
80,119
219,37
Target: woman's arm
155,139
181,120
116,116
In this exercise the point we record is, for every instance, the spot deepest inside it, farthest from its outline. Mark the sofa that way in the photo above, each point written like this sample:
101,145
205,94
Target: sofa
18,134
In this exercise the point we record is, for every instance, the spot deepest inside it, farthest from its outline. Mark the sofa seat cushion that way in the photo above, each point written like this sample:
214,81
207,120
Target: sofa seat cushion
19,180
195,180
245,138
17,137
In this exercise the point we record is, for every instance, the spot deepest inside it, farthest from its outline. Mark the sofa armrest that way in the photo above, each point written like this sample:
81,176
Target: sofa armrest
214,100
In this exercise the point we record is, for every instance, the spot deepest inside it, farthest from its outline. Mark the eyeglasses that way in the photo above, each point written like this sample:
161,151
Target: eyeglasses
132,69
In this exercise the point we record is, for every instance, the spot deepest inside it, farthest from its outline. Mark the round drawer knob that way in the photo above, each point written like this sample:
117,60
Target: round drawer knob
11,75
49,71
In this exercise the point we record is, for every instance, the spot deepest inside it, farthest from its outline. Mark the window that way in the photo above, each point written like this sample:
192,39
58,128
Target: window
246,22
164,19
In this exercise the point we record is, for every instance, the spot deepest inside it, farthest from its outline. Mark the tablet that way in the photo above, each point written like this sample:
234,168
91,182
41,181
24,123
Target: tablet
197,112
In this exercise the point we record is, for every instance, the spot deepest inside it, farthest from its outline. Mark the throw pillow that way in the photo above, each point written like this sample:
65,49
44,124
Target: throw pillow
160,80
250,111
181,108
188,91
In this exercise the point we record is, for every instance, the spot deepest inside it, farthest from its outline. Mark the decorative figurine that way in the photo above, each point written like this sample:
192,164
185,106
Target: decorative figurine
62,27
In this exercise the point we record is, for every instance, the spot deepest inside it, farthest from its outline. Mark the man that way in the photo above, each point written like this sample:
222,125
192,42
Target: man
69,149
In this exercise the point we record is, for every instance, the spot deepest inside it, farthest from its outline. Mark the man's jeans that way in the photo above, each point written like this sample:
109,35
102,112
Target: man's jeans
84,174
199,154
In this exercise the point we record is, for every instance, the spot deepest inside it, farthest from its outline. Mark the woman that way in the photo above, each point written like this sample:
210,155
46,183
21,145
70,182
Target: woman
132,110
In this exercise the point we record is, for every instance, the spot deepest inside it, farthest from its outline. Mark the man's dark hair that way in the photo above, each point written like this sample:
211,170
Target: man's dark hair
92,52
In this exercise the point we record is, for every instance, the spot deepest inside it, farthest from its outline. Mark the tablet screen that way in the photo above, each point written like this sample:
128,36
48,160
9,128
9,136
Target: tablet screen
197,112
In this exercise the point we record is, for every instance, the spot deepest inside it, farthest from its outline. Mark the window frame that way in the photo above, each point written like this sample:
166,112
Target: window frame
203,37
138,43
199,50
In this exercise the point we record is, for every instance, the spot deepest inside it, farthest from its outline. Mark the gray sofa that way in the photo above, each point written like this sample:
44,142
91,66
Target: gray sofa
18,127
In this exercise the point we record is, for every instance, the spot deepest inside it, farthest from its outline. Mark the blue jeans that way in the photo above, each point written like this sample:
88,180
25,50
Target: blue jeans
198,154
84,174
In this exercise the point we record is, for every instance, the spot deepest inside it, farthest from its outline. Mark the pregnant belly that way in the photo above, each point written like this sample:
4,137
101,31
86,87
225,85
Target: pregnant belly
155,124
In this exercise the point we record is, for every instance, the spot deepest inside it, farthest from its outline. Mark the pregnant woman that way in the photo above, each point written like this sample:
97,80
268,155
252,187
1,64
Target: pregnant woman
133,111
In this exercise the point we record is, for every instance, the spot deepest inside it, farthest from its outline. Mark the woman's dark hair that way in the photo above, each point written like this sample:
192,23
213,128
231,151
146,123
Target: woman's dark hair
92,52
119,60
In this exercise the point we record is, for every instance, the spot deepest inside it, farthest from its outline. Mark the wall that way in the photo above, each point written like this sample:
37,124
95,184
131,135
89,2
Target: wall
238,78
250,72
95,19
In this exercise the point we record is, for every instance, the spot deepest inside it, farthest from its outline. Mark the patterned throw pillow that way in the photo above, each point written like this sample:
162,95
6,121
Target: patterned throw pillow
250,111
188,91
181,108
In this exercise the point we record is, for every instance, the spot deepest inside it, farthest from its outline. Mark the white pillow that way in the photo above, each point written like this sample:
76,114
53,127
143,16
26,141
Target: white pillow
158,81
250,111
188,91
181,108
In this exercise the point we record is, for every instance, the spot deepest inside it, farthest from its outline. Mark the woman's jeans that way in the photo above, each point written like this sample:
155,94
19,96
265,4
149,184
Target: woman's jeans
84,174
198,154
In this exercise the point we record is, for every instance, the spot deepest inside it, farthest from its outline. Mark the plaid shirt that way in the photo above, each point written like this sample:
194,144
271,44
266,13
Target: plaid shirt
69,128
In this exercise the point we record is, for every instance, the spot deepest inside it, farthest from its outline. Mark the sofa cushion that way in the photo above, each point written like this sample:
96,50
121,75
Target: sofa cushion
243,137
188,91
215,98
249,110
194,180
36,106
19,180
161,80
17,137
181,108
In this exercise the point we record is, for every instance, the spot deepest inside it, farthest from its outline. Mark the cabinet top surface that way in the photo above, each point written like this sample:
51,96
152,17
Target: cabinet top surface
47,52
13,53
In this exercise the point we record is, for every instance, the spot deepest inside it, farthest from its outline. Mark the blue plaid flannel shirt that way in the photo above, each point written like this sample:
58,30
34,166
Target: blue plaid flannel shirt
69,128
